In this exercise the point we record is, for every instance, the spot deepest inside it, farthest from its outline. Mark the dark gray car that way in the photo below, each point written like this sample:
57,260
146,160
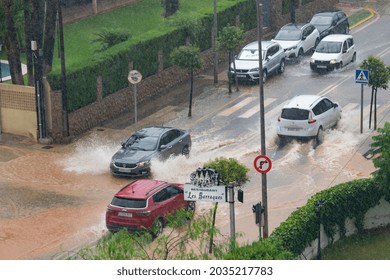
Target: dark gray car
331,22
133,159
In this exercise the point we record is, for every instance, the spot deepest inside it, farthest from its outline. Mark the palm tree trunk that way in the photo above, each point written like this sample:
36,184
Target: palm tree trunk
12,46
49,32
28,39
376,90
191,89
371,103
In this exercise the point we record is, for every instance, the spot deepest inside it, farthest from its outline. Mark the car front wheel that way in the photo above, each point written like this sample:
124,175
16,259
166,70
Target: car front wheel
186,152
157,228
264,76
320,136
282,66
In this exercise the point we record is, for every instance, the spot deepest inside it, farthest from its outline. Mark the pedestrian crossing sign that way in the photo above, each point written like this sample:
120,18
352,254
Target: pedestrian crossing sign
361,76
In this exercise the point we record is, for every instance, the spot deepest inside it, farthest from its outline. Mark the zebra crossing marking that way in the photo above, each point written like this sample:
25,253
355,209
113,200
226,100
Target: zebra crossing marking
231,110
256,108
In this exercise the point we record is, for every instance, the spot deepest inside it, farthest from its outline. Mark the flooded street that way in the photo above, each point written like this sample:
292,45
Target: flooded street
53,200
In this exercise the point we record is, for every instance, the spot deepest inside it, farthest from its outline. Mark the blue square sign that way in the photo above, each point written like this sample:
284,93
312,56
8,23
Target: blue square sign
361,76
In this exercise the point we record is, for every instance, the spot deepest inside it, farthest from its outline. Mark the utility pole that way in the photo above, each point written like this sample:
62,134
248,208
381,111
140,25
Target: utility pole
264,194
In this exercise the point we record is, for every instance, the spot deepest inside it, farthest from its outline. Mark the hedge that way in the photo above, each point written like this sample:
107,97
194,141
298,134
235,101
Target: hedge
113,64
347,200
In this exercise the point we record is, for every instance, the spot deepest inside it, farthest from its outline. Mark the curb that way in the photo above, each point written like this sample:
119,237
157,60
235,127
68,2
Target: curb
372,14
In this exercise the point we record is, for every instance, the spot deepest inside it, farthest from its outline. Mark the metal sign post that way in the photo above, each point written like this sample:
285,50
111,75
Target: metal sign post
134,78
361,77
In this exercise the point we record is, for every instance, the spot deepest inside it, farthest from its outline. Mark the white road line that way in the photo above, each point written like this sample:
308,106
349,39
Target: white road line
349,107
236,107
256,108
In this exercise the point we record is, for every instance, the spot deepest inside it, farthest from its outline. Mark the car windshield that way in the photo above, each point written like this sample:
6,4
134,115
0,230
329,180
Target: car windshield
141,142
128,202
249,54
321,20
295,114
328,47
288,35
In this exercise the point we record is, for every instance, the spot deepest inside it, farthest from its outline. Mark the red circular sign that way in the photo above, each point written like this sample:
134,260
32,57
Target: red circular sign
262,164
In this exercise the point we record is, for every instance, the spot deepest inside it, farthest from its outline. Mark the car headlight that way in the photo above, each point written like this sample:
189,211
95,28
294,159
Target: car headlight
254,70
291,48
312,60
333,61
143,163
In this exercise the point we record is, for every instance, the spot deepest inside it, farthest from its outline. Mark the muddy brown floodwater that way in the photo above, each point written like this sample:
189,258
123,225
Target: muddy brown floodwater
45,211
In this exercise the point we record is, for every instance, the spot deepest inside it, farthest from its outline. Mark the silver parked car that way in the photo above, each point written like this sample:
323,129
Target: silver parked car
308,116
247,61
297,39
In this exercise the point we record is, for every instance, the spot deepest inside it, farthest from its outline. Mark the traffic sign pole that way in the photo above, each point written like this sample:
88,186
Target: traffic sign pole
361,109
361,77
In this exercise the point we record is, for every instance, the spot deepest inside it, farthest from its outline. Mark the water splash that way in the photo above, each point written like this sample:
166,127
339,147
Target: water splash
91,155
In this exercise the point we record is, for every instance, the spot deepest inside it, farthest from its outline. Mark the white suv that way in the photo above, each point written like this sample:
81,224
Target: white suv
297,39
334,51
247,61
307,116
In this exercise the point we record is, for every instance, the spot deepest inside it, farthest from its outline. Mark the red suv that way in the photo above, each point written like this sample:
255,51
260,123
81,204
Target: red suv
144,205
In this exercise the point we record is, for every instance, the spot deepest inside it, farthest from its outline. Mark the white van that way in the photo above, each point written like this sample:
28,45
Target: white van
334,51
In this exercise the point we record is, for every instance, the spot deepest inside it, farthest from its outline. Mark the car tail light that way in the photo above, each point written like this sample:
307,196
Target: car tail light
145,213
311,120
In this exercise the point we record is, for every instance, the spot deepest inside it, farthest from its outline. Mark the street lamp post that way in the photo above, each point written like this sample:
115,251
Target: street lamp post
318,205
37,64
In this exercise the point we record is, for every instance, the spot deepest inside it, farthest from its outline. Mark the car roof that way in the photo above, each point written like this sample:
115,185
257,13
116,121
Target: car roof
336,38
264,45
141,189
291,26
328,12
303,101
153,130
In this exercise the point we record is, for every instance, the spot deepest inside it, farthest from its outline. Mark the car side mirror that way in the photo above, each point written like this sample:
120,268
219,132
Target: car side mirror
162,147
335,105
303,38
123,144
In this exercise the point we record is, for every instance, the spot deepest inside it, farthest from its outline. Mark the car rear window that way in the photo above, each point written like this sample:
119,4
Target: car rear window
128,202
295,114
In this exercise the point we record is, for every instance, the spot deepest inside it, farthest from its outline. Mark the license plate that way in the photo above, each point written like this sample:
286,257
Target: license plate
321,66
241,76
124,170
292,129
125,214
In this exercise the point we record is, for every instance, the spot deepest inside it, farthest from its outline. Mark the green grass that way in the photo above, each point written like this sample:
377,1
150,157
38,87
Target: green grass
141,20
371,245
358,16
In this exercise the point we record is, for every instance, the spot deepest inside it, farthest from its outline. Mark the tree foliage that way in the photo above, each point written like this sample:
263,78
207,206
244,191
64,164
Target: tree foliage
379,76
109,37
188,57
230,171
182,239
229,40
171,7
382,160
